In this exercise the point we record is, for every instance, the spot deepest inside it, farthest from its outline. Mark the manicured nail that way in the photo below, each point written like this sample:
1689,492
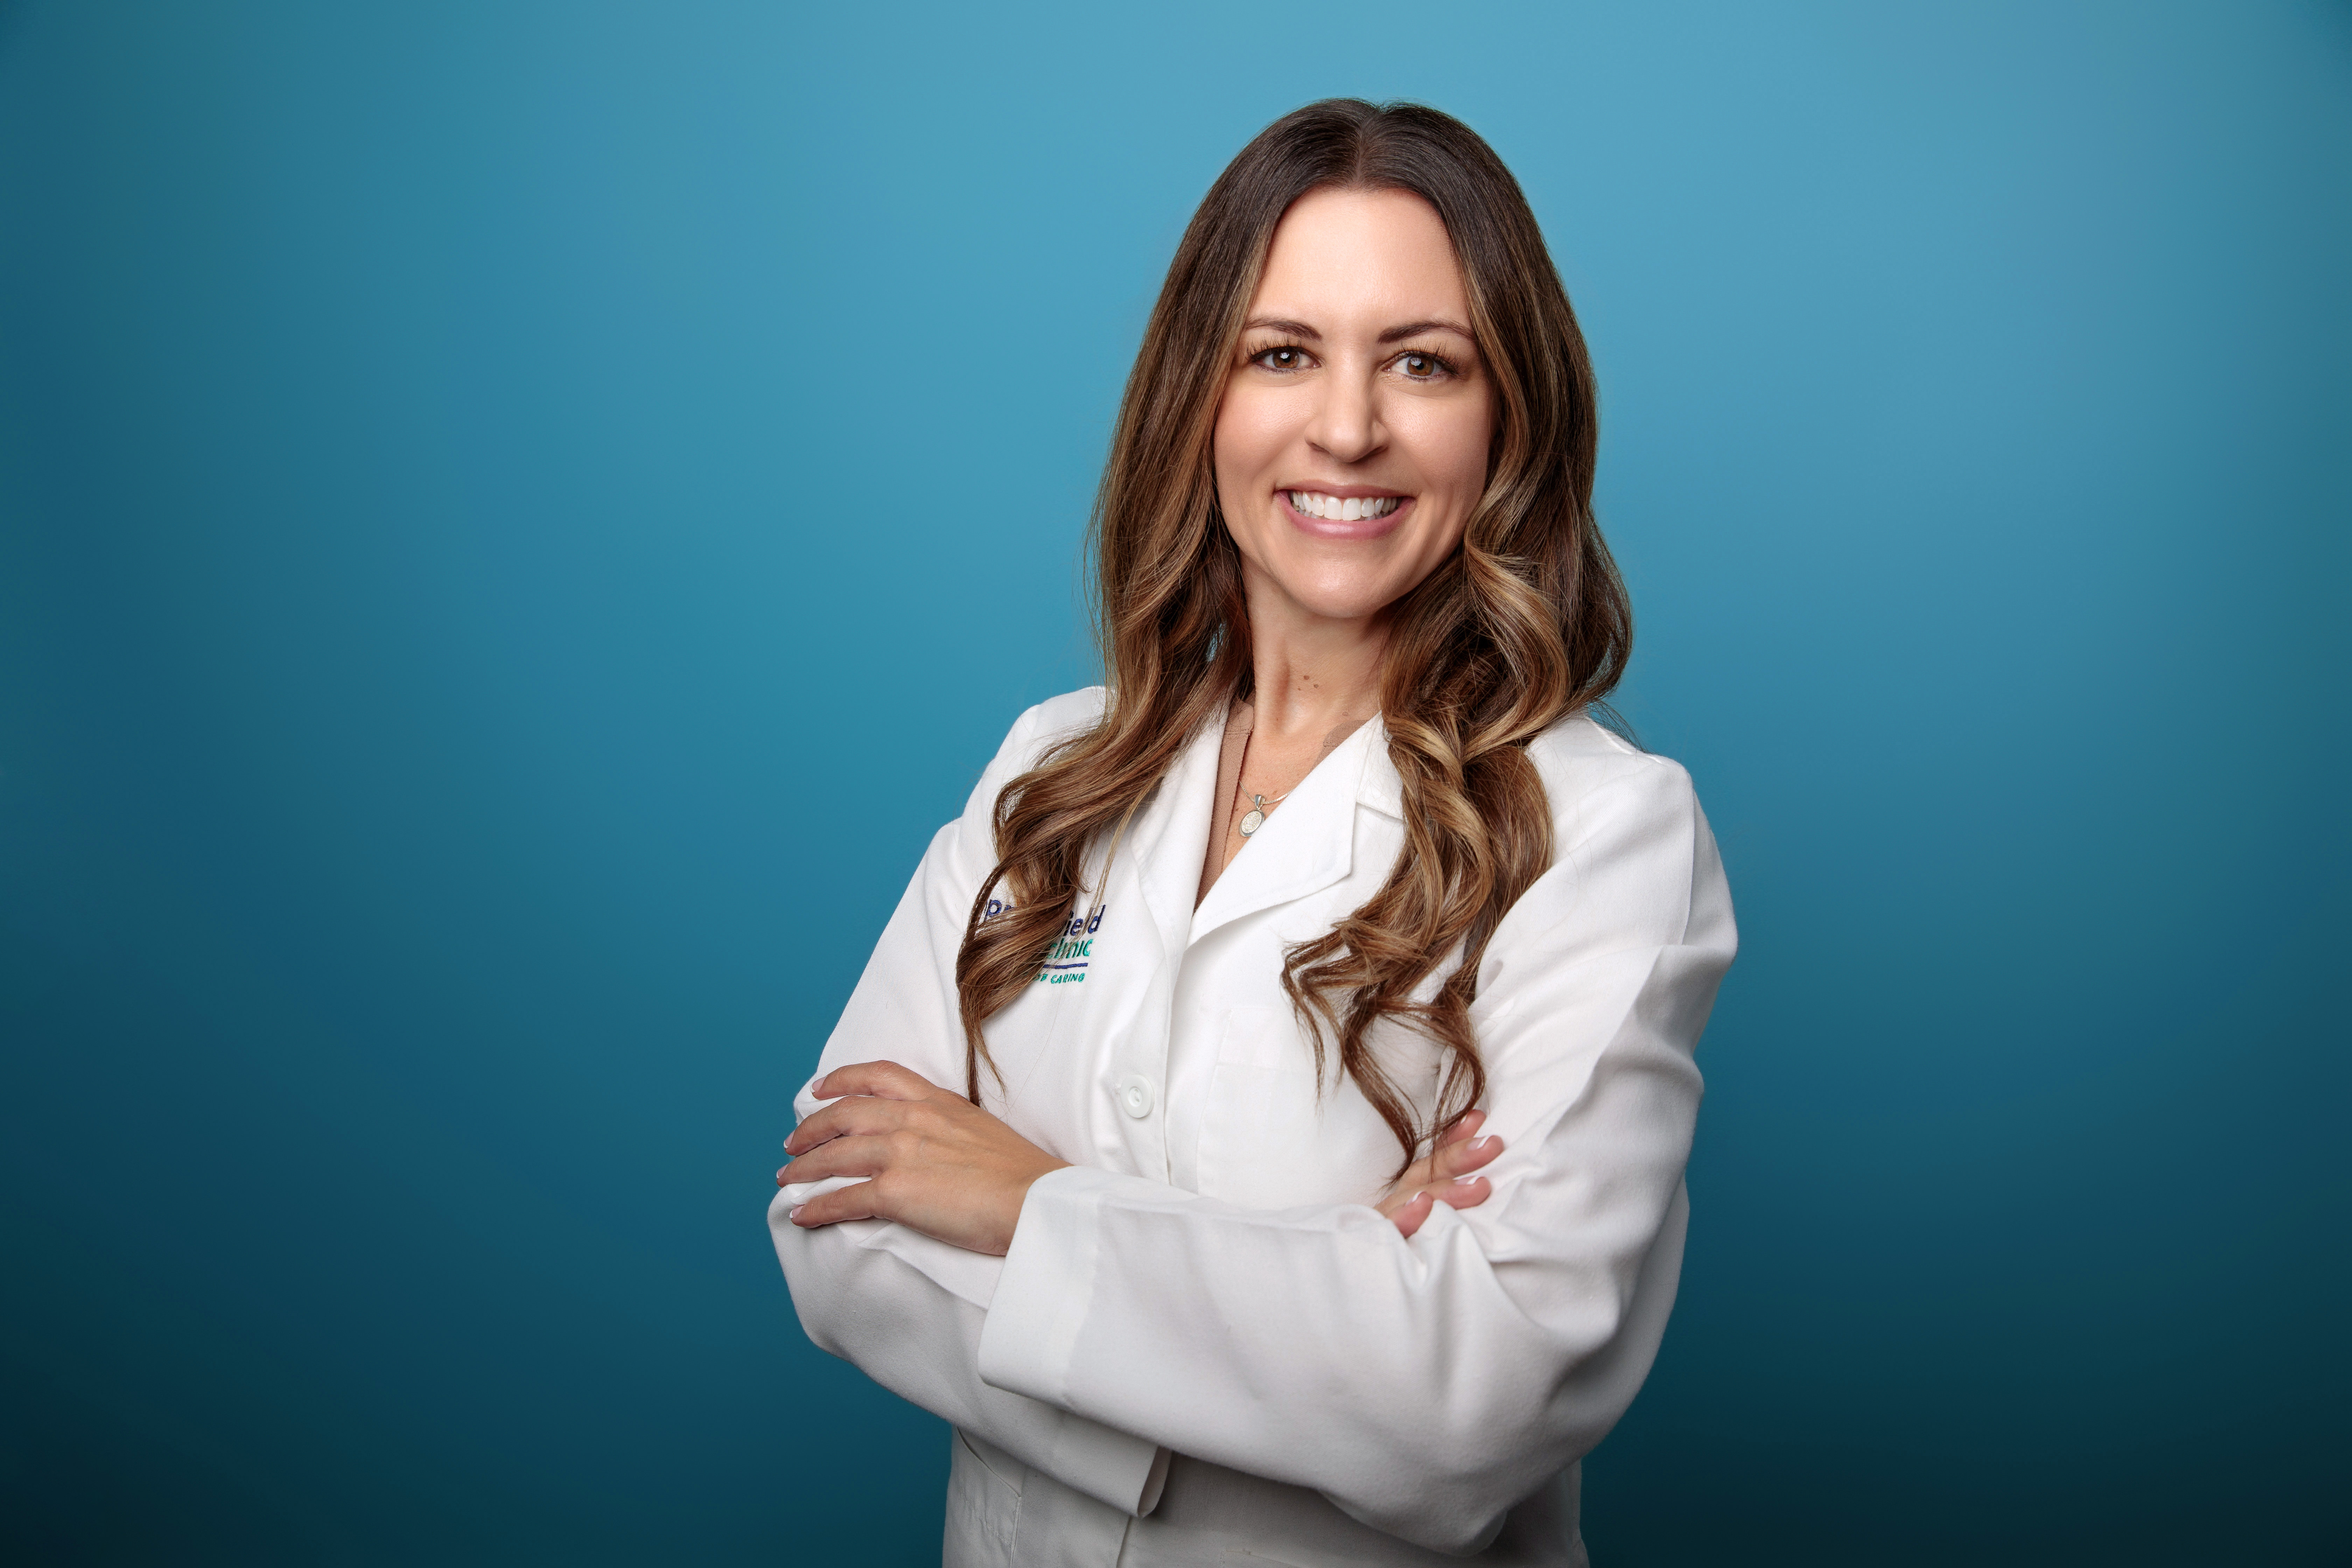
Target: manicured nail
1468,1181
794,1211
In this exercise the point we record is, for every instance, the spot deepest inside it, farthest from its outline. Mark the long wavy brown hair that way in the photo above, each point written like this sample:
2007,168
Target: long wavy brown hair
1526,622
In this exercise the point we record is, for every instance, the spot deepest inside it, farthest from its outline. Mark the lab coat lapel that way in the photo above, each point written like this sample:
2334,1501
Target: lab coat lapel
1171,836
1309,843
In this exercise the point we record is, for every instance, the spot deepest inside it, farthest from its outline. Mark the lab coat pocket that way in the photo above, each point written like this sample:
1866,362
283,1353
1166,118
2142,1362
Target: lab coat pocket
1271,1136
984,1505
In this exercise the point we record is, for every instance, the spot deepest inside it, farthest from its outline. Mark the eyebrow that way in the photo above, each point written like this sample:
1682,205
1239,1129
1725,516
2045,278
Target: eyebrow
1414,329
1393,335
1275,324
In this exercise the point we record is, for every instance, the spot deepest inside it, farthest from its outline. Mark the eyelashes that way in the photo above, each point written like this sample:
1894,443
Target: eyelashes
1285,358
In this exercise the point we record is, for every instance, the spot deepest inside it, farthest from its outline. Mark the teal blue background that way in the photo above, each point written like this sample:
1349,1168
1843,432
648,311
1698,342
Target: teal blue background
517,520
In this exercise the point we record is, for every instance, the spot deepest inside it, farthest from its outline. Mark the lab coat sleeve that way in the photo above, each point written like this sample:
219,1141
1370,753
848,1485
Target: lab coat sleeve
1425,1386
904,1308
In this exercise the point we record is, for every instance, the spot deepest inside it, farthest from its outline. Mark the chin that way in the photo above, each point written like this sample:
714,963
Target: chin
1340,583
1353,601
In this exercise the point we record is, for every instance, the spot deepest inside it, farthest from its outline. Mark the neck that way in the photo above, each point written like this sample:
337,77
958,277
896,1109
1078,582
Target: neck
1313,673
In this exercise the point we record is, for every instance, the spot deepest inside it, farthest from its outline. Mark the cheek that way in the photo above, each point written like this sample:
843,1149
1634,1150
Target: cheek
1250,434
1454,448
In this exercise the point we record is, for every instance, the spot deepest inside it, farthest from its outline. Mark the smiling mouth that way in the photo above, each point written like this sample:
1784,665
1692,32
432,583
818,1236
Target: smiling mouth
1338,509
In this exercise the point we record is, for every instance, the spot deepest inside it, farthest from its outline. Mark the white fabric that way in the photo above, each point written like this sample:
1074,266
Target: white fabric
1203,1340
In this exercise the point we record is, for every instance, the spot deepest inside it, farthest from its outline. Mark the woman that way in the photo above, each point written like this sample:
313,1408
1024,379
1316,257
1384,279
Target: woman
1260,1129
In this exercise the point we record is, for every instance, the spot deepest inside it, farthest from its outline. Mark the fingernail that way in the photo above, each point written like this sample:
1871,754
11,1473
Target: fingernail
794,1211
1467,1180
1478,1145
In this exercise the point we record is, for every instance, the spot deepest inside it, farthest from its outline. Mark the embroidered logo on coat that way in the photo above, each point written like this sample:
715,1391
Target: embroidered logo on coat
1066,960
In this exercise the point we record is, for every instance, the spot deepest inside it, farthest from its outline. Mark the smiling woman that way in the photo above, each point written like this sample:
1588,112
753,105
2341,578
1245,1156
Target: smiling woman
1323,990
1352,446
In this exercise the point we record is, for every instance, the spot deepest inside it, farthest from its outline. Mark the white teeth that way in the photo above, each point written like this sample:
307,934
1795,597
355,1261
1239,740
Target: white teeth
1354,509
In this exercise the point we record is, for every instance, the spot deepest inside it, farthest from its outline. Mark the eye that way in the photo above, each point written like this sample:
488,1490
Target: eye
1424,367
1282,356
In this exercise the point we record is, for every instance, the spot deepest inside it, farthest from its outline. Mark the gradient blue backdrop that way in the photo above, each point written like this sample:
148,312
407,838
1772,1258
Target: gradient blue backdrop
517,520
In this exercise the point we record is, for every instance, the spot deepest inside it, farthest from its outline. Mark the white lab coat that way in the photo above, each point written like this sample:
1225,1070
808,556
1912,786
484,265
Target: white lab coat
1203,1344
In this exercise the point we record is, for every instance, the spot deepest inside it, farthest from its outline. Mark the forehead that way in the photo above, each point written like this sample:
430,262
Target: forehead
1360,254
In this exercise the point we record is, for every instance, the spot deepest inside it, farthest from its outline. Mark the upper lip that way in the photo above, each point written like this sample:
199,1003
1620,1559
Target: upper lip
1343,492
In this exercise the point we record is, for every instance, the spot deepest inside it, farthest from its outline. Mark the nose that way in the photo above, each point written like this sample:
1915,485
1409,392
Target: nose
1347,422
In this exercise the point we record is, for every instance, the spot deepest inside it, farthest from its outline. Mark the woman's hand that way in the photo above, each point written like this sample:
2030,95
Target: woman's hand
1443,1176
932,1161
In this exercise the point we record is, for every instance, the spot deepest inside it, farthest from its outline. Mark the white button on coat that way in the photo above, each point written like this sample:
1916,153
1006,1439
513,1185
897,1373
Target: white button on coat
1135,1096
1204,1305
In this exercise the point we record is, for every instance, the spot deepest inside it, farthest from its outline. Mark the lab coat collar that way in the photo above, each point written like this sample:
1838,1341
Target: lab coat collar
1171,836
1380,787
1307,845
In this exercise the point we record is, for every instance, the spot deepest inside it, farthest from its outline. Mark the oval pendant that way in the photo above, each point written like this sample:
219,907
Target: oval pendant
1251,822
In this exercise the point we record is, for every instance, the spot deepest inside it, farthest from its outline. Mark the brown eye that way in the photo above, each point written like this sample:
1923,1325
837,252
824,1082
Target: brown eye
1421,367
1281,359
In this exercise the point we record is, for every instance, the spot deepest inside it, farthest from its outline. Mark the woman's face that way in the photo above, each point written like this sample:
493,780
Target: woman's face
1352,443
